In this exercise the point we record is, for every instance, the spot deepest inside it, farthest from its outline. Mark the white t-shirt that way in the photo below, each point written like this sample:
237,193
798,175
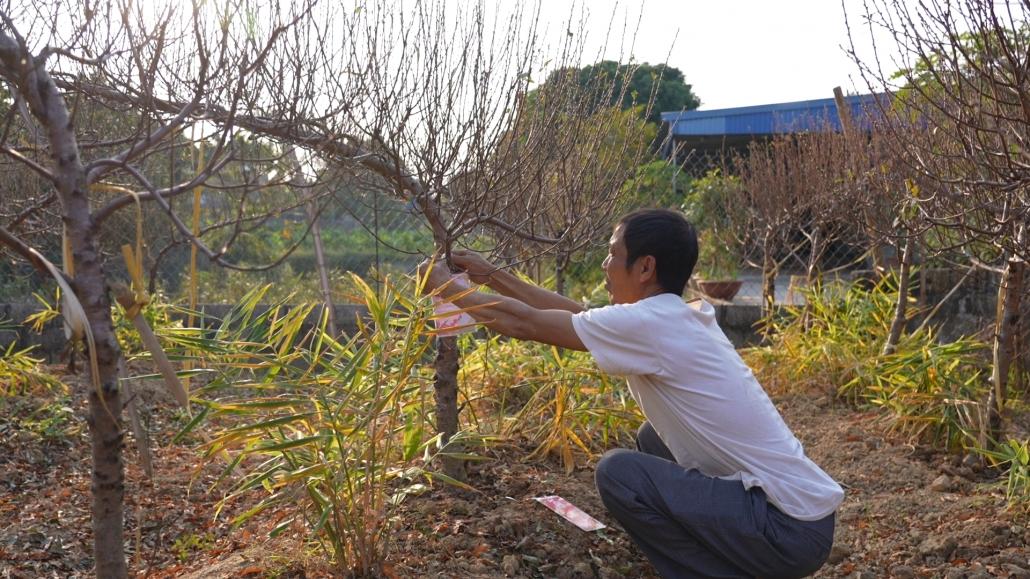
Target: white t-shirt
704,401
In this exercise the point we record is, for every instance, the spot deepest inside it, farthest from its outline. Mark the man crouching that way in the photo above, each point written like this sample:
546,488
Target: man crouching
718,485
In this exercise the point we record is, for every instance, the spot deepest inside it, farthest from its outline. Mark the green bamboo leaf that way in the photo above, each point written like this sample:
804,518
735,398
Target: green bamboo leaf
412,437
262,404
286,445
243,517
462,455
278,529
273,423
180,374
320,524
309,472
451,481
191,425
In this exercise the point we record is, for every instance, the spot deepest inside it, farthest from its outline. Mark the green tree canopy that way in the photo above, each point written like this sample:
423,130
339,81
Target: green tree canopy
606,79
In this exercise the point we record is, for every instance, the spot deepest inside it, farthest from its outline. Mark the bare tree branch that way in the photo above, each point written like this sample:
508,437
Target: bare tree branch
103,213
21,248
28,162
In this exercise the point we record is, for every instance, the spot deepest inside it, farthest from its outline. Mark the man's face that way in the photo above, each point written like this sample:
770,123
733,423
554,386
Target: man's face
618,279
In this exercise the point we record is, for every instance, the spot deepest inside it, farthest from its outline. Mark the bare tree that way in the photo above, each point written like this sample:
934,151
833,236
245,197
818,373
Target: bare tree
455,128
796,194
429,106
959,124
95,156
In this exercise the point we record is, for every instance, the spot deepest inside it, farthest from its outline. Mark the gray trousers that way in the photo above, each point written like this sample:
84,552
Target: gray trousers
692,525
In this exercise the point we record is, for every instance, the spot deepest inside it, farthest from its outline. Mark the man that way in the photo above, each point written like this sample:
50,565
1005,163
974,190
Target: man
718,486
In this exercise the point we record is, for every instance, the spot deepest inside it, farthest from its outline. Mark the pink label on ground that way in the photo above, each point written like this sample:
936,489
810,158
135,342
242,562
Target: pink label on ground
571,513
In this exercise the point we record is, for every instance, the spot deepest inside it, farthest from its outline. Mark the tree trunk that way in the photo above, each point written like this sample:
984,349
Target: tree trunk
561,262
813,271
1009,294
105,403
323,275
105,420
446,395
816,245
769,270
921,304
901,309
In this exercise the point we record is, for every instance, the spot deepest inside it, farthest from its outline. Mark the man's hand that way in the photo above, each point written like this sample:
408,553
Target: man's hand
434,271
549,322
478,268
483,272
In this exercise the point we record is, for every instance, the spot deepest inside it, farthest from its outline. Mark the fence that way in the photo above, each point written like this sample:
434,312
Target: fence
360,234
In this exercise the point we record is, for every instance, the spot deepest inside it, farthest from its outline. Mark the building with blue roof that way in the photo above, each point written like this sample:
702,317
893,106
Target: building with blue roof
713,134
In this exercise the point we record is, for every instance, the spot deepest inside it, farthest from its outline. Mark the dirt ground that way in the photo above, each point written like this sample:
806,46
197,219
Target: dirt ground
910,511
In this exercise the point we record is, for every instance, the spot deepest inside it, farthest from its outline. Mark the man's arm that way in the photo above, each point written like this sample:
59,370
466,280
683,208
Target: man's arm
506,315
483,272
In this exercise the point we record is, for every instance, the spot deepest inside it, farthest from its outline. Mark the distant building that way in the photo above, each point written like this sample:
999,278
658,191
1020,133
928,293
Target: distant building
703,139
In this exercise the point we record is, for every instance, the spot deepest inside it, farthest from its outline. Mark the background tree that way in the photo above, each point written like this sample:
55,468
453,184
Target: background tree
641,91
95,156
633,85
958,124
454,130
770,175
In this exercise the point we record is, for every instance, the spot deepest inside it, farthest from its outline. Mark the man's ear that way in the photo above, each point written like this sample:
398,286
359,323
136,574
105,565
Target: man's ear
648,269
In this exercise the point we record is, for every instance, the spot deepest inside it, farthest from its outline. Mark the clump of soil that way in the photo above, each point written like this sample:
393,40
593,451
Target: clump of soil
910,511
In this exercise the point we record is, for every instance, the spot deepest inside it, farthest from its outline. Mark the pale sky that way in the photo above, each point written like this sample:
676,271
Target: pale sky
741,52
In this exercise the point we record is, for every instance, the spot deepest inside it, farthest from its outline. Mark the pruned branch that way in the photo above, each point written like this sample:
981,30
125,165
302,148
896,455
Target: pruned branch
23,249
28,162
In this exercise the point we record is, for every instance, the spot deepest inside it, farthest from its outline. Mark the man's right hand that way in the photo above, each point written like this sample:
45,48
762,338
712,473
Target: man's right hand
483,272
475,265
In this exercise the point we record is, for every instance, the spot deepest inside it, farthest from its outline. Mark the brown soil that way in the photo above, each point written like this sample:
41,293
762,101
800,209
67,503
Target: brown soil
900,519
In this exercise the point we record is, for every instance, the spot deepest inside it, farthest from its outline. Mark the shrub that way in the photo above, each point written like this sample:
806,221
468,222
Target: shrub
834,342
339,426
556,398
20,373
1016,454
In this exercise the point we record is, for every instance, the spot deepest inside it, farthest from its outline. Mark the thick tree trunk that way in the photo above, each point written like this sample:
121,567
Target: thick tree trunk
901,309
105,403
446,395
1009,294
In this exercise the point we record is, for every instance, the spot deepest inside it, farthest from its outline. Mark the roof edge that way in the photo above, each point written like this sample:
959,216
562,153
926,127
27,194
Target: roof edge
817,104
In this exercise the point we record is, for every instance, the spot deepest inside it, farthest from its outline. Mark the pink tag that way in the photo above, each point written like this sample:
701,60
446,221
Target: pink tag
570,513
461,323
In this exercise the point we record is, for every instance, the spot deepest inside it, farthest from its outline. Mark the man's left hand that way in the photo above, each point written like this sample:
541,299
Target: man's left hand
434,271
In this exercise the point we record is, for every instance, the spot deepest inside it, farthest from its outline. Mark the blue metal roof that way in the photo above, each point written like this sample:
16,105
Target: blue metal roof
769,119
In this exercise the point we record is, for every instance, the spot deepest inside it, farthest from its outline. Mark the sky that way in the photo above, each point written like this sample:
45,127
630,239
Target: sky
739,52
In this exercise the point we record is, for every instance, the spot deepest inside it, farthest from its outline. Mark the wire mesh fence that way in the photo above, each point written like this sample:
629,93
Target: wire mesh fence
364,233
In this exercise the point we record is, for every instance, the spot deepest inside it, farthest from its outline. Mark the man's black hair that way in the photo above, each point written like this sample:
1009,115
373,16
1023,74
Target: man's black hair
666,235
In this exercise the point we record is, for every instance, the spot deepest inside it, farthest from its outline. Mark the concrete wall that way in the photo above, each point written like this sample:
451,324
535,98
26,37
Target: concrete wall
970,310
